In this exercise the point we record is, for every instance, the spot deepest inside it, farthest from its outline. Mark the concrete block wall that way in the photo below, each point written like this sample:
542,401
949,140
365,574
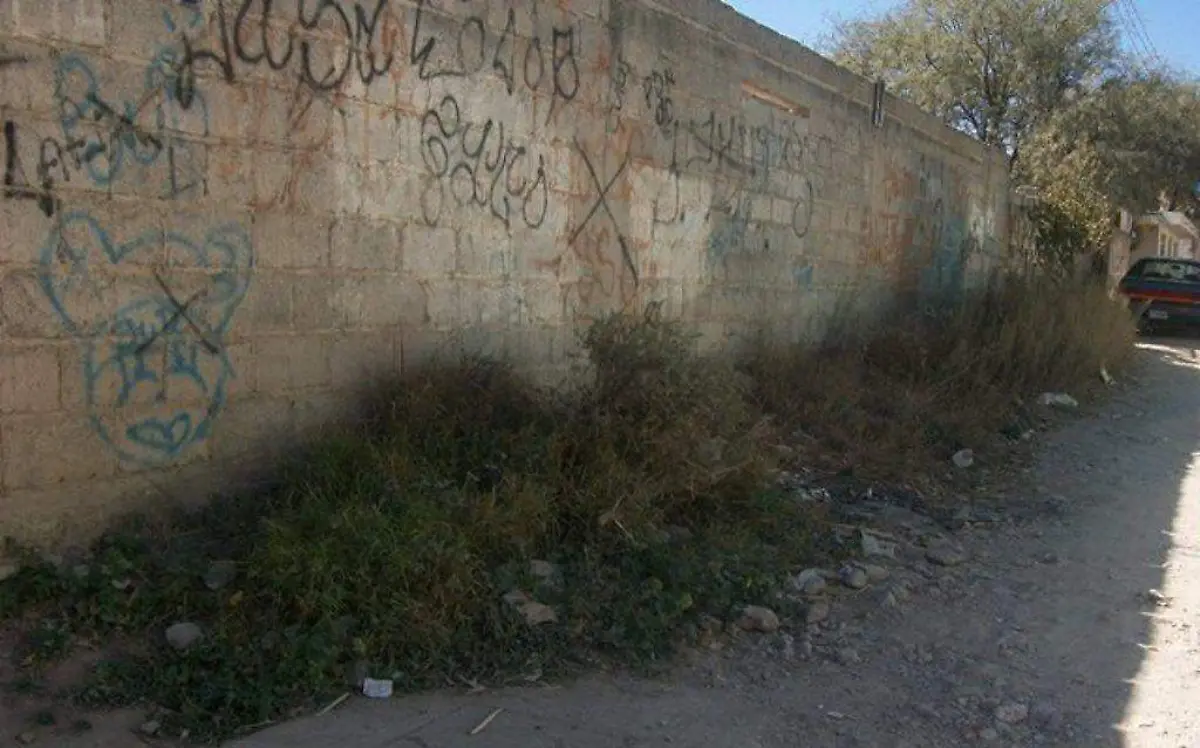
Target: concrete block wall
222,219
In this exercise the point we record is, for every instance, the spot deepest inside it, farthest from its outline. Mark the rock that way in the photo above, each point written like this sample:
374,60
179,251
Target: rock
1012,714
873,547
1058,400
181,636
1045,717
894,595
27,738
377,689
9,570
220,574
964,459
760,619
876,574
810,582
848,656
989,735
944,554
534,613
546,573
806,647
151,727
817,611
854,577
928,712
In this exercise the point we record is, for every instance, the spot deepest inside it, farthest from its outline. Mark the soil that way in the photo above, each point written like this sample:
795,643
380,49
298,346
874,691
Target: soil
1070,617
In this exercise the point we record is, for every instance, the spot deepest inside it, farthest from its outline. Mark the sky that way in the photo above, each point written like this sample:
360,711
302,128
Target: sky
1172,26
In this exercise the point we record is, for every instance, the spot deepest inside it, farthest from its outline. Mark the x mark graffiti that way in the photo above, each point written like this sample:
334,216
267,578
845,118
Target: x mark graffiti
601,203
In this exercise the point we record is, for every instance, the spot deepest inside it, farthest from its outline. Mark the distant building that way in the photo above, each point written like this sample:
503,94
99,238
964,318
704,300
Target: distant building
1165,234
1162,234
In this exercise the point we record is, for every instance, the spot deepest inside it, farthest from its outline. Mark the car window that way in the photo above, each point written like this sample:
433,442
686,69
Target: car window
1168,270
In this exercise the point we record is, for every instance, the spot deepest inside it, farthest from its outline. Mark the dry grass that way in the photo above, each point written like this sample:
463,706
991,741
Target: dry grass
904,396
390,548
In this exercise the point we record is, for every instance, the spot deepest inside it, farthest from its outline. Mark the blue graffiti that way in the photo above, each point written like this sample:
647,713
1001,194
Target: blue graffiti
156,371
127,138
944,279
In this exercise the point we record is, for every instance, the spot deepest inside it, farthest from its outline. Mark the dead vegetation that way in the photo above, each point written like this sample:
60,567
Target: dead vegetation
481,528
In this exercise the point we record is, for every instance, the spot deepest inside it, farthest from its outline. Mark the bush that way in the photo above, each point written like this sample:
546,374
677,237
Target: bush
905,396
388,550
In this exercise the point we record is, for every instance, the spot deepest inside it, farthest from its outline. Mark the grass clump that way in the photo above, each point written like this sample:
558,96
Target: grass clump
895,401
389,549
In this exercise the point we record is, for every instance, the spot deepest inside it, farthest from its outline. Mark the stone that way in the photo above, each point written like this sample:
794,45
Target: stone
989,735
534,613
876,574
810,582
873,547
964,459
377,689
150,727
27,738
1058,400
817,611
545,572
1012,713
182,636
220,574
1045,717
944,554
8,570
854,577
849,656
760,619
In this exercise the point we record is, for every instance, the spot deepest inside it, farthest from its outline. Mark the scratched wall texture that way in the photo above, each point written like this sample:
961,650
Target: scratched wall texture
222,219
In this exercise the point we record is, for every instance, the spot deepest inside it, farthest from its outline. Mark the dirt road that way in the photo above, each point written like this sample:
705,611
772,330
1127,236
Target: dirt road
1077,624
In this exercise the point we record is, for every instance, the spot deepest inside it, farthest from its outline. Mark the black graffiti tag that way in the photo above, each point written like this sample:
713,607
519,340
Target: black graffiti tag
602,190
480,166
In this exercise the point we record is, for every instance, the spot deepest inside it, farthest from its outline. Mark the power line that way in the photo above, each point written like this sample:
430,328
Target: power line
1137,26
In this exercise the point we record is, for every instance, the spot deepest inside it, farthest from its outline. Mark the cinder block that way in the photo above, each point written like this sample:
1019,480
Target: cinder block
429,253
83,21
25,312
313,301
268,304
230,175
359,360
258,428
34,447
29,379
380,301
75,514
358,244
287,240
292,362
141,29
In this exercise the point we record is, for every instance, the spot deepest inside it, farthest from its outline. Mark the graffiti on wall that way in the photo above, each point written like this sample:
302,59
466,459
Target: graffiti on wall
150,308
155,368
922,236
479,165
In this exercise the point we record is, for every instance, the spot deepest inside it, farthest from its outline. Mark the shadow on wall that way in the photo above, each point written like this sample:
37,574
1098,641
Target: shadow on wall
257,429
930,234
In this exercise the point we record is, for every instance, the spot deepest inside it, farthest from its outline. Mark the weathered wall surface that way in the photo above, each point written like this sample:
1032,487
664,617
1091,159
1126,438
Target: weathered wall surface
221,218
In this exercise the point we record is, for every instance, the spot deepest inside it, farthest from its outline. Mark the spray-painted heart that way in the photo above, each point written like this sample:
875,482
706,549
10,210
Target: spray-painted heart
155,367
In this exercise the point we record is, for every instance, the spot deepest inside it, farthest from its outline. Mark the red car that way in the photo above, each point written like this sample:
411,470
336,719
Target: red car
1163,291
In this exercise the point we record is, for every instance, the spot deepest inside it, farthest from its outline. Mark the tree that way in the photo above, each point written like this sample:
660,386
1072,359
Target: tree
1083,128
994,69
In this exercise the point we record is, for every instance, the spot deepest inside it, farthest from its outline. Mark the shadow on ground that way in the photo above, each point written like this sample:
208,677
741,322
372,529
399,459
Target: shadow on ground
1037,641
